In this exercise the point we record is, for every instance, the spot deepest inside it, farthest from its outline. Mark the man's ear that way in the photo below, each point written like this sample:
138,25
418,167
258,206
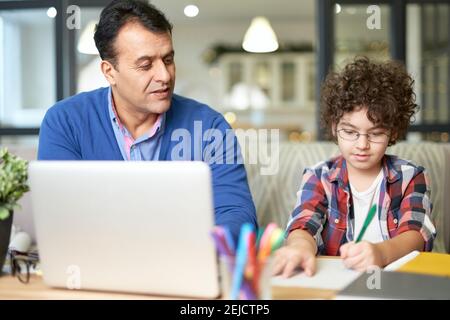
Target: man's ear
108,71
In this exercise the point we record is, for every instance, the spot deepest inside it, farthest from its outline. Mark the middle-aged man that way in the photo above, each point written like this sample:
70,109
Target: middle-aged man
139,118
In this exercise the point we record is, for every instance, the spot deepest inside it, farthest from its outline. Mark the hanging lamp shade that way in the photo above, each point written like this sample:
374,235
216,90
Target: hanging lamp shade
260,37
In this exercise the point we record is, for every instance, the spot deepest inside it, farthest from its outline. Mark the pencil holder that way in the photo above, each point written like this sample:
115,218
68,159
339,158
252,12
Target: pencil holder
252,283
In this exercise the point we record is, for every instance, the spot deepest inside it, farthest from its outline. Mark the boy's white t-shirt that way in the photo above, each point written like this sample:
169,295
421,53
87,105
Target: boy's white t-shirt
361,206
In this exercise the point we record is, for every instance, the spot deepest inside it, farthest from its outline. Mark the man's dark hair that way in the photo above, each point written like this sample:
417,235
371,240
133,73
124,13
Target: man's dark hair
117,14
385,88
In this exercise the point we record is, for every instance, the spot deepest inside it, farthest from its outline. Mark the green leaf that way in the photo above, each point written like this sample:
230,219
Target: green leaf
13,181
4,213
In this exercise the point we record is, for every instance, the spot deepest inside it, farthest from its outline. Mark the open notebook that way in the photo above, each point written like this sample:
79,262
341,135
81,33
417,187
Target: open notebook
331,274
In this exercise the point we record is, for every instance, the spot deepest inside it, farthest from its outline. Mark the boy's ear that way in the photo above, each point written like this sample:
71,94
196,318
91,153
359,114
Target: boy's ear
333,129
394,136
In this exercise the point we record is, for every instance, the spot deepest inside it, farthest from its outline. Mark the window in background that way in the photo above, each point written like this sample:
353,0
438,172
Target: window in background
288,70
27,66
355,33
262,78
235,74
428,51
14,140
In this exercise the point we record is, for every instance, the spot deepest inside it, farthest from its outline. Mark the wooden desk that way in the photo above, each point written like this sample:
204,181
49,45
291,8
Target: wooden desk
12,288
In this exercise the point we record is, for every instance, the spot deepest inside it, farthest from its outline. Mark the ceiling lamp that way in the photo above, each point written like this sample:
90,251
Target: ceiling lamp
260,37
191,11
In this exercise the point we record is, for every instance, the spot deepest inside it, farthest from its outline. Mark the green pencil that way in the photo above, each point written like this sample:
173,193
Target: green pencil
368,220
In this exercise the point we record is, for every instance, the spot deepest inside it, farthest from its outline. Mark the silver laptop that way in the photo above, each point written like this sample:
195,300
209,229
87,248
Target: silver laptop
139,227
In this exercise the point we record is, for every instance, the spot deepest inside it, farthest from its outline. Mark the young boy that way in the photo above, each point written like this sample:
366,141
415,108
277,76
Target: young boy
366,108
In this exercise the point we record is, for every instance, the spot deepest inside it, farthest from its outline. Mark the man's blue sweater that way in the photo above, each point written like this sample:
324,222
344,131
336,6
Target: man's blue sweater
79,128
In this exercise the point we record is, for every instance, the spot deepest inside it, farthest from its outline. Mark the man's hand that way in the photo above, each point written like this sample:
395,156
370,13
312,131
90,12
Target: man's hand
362,255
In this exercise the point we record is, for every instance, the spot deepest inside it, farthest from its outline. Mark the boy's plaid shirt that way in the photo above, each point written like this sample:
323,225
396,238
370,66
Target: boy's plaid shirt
324,206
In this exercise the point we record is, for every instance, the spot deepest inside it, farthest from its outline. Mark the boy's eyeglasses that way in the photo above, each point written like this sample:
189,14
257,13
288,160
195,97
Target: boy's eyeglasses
352,135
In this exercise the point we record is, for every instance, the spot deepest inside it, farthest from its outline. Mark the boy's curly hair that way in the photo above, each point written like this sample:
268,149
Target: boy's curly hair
386,89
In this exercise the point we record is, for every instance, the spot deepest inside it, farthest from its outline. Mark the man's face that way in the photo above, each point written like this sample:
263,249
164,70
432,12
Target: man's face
144,77
361,154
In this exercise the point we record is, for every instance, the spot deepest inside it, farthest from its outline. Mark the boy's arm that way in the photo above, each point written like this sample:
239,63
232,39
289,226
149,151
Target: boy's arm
415,230
304,228
312,207
400,246
302,238
362,255
415,210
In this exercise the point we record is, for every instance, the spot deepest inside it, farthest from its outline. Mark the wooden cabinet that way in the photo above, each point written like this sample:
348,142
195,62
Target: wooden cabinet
267,81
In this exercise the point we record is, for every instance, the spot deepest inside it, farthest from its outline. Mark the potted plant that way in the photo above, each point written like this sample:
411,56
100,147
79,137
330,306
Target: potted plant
13,184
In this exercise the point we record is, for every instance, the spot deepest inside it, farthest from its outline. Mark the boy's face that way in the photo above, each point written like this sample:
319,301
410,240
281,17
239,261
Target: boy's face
361,142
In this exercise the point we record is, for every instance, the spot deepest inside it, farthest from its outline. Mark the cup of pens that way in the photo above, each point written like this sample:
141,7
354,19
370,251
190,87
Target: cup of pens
245,268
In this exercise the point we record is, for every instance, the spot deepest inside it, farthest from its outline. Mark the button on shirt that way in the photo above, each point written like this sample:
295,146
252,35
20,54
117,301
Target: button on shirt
145,147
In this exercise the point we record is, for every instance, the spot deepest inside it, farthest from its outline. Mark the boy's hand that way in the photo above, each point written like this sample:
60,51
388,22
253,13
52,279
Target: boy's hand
360,256
292,256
